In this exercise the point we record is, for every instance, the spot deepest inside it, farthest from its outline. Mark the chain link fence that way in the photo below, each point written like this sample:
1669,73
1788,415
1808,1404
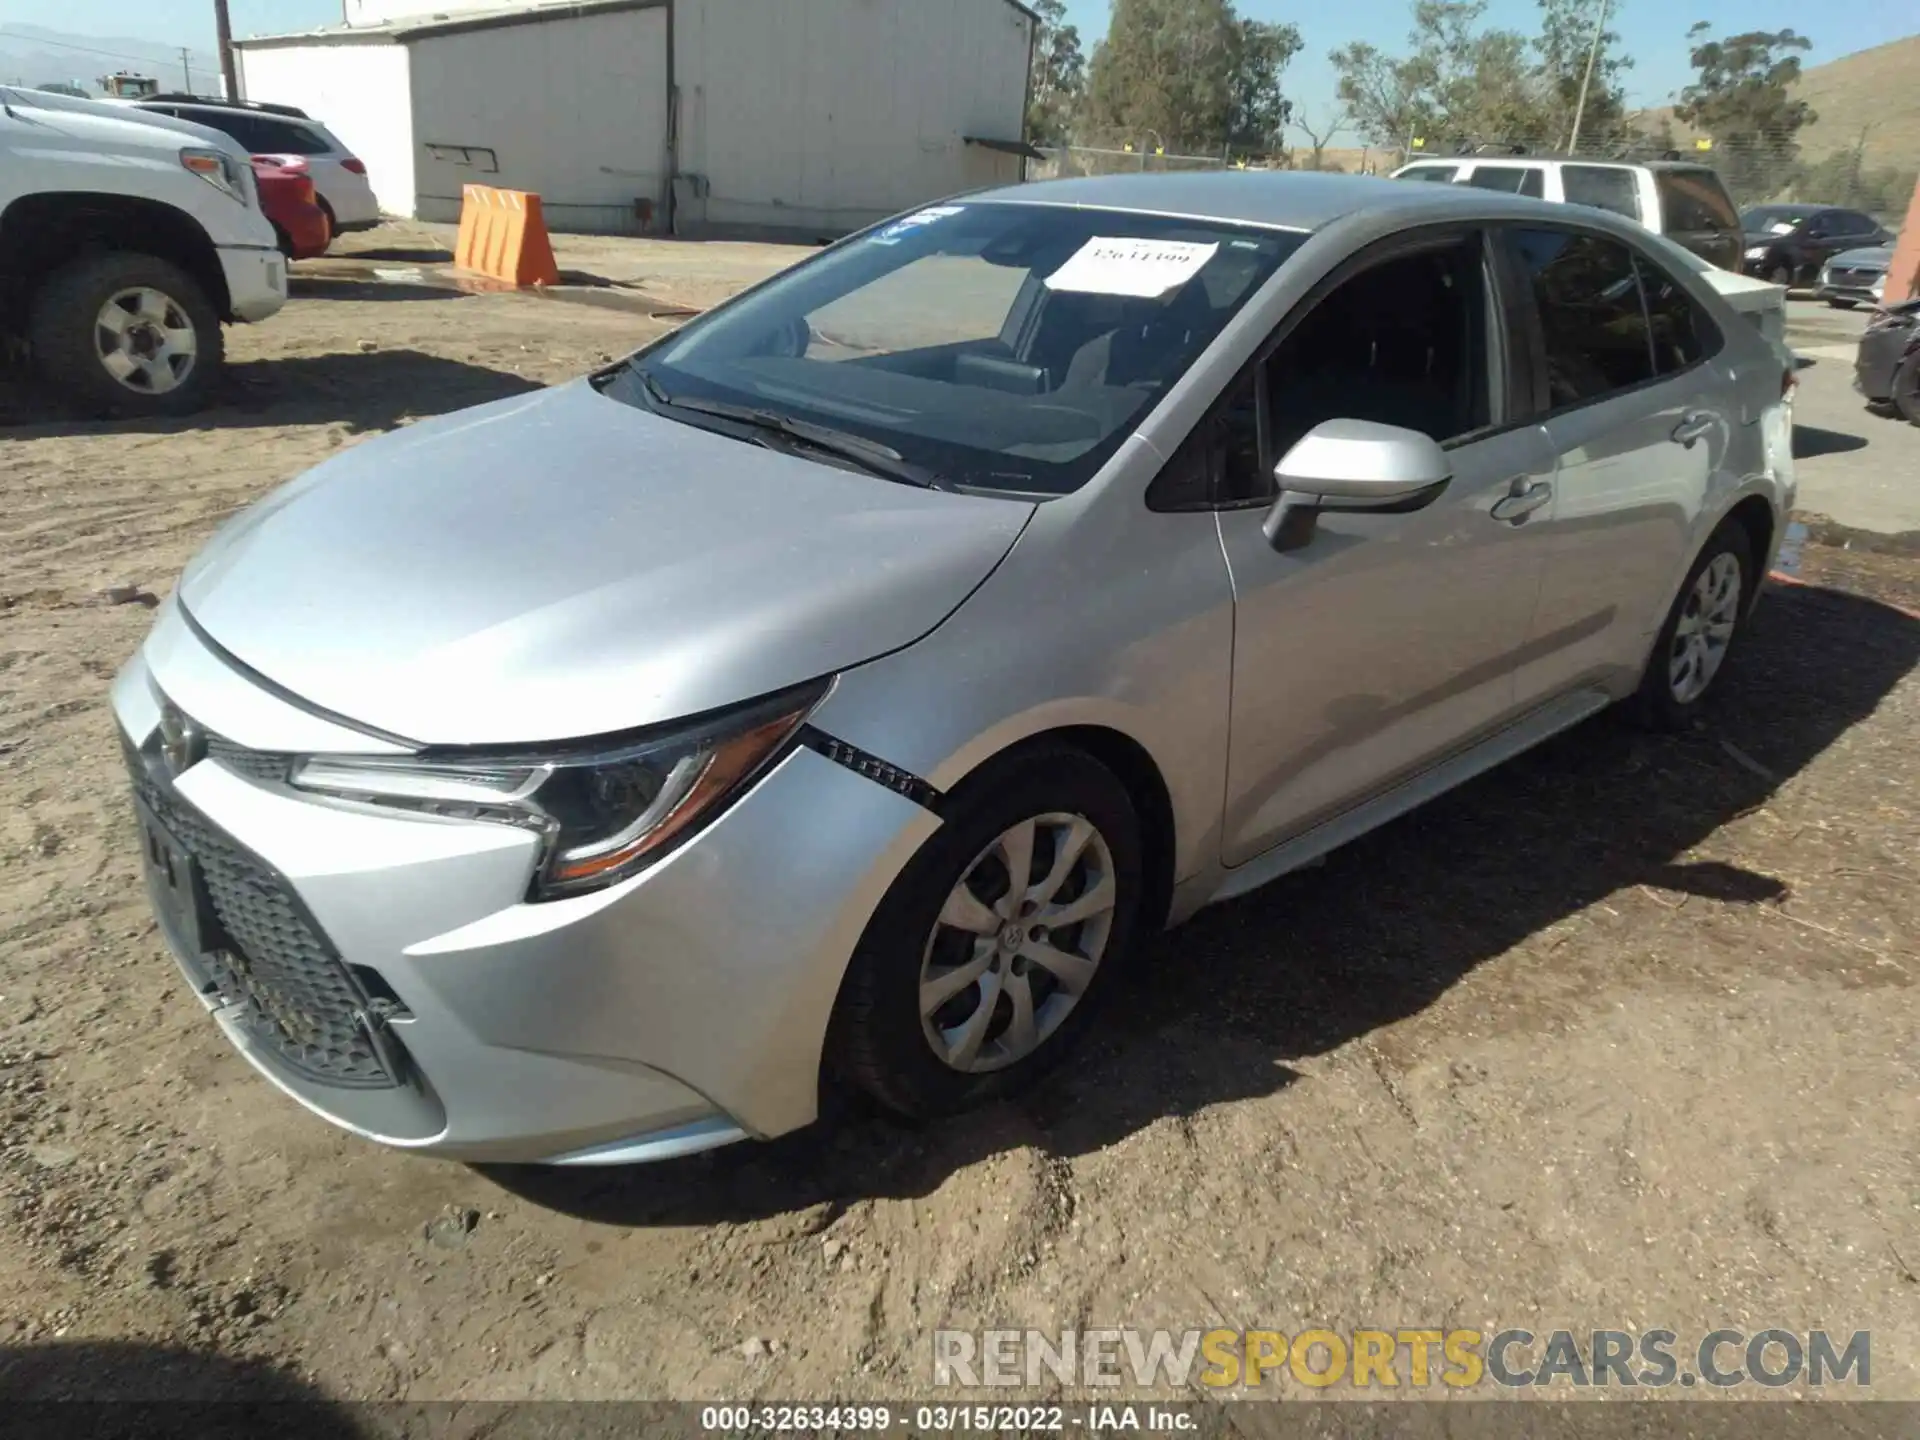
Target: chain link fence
1757,170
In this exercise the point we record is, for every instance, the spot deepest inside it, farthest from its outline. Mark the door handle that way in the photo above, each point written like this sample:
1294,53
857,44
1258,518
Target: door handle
1523,501
1694,425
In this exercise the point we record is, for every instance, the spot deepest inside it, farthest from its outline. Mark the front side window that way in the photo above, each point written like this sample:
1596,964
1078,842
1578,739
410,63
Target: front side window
1401,343
996,346
1592,322
1604,187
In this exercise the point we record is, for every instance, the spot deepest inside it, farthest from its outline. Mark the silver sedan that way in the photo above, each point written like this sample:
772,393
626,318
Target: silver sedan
839,688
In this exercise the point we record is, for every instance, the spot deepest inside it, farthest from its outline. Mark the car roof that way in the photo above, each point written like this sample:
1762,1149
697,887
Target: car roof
1278,199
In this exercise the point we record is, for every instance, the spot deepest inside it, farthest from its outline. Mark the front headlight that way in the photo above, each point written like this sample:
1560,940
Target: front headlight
604,811
1756,252
218,169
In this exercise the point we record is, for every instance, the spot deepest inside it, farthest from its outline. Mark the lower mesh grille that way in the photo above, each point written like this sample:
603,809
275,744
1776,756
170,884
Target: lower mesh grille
301,1002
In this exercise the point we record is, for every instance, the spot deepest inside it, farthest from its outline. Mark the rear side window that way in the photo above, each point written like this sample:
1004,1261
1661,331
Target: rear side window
1509,180
260,135
1430,173
1680,331
1694,200
1592,322
1604,187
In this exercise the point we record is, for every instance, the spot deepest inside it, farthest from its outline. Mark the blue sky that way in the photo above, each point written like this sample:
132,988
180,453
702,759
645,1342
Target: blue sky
1654,31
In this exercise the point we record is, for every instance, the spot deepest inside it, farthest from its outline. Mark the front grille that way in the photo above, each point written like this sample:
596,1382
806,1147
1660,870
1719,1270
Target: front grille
263,765
301,1002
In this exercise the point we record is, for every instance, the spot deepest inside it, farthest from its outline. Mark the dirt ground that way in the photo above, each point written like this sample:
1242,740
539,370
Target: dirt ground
1622,1035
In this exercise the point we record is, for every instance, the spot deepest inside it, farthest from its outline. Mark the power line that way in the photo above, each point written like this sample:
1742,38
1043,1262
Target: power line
83,49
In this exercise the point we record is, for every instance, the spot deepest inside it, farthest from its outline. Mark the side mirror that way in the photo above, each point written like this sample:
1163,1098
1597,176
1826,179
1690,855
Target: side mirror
1353,465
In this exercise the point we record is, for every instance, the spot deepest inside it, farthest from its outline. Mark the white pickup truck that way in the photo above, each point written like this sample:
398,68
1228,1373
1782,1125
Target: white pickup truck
126,239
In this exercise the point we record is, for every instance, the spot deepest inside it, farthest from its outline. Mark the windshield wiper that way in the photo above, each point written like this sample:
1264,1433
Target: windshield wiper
870,455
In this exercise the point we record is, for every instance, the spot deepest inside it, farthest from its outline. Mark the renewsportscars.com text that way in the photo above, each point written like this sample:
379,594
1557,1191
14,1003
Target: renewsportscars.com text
1415,1358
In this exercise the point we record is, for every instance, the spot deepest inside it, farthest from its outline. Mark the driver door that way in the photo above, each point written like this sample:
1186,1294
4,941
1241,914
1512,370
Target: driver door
1387,641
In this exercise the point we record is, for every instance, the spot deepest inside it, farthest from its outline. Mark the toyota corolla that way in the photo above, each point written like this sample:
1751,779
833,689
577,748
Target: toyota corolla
840,688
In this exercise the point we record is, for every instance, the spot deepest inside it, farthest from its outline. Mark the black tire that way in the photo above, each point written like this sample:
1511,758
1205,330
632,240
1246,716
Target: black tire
1906,388
876,1040
1843,304
283,240
61,331
1780,273
1656,706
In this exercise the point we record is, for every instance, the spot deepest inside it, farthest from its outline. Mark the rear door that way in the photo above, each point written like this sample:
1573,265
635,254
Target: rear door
1639,422
1697,214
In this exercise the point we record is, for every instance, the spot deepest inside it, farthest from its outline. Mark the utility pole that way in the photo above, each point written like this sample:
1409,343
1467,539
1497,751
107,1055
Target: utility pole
223,30
186,70
1586,79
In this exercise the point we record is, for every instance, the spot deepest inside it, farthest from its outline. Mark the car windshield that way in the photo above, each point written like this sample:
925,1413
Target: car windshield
1775,218
992,346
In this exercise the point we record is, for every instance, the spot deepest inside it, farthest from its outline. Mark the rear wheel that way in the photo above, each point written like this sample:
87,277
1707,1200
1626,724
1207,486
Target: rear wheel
1842,304
126,334
1699,631
986,958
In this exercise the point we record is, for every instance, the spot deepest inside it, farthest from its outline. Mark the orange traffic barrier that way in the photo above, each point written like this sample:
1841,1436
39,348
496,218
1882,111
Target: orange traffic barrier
503,235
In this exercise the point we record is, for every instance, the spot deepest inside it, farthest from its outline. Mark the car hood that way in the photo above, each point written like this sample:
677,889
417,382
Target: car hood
560,565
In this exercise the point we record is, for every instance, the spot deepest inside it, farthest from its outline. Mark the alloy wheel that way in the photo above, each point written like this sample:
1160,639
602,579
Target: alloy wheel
1018,942
1705,628
145,340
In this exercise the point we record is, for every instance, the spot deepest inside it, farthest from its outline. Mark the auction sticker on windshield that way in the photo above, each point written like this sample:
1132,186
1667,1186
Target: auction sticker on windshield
1122,266
891,235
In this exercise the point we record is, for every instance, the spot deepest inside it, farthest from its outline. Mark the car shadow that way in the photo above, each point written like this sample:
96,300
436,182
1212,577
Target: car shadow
367,390
1225,1006
72,1390
1811,440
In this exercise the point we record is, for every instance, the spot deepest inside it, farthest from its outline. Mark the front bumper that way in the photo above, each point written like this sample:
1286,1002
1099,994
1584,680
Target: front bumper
256,281
681,1009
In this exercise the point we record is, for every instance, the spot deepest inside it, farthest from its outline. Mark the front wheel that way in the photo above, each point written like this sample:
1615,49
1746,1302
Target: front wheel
1780,273
126,334
1699,631
985,960
1843,304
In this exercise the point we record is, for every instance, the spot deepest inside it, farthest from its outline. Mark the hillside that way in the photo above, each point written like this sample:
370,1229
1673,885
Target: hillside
34,55
1873,91
1876,91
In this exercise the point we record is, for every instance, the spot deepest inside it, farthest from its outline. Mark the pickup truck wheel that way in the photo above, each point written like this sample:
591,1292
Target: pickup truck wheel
125,334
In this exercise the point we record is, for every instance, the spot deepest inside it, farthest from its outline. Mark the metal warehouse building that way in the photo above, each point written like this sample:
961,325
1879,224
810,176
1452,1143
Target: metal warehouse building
796,118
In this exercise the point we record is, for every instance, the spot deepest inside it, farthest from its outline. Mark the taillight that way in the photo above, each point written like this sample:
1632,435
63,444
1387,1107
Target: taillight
358,167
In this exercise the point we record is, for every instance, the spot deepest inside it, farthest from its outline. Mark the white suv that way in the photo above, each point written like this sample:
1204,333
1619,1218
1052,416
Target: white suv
339,176
125,240
1685,201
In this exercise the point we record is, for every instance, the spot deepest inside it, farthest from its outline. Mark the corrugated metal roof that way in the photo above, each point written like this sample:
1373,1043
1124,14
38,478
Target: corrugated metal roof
418,27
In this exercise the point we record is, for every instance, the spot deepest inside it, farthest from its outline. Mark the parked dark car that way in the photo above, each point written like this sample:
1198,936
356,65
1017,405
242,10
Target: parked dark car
1788,244
1887,369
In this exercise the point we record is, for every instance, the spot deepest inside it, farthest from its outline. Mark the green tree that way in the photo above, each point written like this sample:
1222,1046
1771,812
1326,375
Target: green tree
1059,75
1742,98
1258,118
1458,85
1189,74
1562,48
